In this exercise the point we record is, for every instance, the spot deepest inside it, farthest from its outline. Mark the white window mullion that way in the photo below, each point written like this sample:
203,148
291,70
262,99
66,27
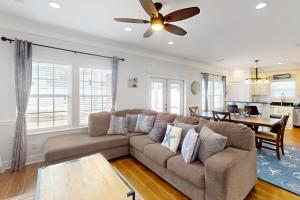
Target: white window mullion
75,96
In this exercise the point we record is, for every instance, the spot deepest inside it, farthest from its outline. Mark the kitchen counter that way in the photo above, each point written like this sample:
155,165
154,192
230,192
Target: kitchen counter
248,102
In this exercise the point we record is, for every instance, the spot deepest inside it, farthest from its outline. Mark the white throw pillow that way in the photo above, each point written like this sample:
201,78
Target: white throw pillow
172,138
190,146
210,143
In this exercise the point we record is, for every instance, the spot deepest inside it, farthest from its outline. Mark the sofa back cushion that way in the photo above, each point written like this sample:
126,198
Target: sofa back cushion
167,117
239,136
186,120
149,112
98,123
122,113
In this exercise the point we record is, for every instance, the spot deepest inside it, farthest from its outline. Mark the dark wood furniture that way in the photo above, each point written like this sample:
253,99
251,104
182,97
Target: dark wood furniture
233,108
221,116
194,111
251,110
271,138
254,121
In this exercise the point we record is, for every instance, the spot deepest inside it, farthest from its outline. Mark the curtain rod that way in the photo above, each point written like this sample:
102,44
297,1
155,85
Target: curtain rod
57,48
212,74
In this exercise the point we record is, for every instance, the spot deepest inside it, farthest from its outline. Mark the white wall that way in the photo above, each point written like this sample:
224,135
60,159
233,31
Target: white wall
139,62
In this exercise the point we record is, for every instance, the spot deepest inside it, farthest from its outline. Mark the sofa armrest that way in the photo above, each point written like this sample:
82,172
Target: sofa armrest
230,174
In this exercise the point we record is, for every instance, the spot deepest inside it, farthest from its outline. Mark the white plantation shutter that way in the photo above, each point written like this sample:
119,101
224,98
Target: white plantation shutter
95,92
50,99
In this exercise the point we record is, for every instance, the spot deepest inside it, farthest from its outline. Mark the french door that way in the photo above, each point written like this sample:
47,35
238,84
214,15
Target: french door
167,95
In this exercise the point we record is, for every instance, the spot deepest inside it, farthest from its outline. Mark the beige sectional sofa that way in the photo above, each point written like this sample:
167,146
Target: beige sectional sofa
227,175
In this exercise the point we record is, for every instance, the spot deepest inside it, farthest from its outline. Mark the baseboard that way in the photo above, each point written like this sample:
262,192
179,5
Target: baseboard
30,160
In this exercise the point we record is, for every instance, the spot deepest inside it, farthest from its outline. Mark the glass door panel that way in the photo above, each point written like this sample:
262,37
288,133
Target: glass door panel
158,94
166,95
175,97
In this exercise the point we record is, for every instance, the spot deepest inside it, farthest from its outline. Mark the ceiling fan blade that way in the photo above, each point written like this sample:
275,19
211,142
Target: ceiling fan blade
175,29
129,20
149,7
148,33
182,14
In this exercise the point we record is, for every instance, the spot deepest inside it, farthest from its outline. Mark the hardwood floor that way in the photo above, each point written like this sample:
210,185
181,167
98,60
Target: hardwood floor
149,185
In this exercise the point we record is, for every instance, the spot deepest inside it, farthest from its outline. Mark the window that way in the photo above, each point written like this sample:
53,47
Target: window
95,92
286,87
215,93
50,99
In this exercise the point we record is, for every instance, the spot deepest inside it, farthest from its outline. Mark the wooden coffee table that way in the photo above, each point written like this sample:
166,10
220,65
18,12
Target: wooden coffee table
91,178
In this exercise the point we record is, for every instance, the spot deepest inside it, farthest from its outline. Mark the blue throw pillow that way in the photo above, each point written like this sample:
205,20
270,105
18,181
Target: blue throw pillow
190,146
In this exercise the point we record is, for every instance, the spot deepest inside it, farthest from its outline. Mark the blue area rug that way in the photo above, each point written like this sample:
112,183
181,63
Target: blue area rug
284,173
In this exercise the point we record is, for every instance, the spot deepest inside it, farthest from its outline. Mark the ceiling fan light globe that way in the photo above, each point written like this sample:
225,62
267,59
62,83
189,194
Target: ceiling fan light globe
157,24
157,27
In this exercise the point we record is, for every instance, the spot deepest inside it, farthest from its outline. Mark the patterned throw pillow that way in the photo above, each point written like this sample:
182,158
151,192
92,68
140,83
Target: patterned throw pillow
185,129
210,143
144,123
131,119
172,138
117,125
158,131
190,146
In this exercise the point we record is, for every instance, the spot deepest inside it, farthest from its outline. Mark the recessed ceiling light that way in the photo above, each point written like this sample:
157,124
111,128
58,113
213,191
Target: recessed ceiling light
170,43
261,5
280,63
54,4
128,29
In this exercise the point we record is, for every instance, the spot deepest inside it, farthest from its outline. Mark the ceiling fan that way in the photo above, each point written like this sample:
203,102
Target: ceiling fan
158,21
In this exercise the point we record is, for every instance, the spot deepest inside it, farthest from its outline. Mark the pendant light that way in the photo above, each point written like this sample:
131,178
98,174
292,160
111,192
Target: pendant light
256,79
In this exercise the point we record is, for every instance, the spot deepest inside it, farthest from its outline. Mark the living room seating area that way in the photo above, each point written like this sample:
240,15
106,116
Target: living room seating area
228,174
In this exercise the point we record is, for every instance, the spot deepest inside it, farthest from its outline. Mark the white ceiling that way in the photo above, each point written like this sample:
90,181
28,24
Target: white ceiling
232,30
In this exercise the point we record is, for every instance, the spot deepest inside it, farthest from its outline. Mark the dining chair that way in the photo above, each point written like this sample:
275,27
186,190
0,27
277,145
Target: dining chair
221,116
271,138
252,110
233,108
194,111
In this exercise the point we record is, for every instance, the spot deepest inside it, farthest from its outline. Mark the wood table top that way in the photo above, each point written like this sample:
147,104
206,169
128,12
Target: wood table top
90,178
252,120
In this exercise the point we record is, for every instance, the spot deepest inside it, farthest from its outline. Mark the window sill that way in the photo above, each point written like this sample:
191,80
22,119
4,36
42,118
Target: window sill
56,130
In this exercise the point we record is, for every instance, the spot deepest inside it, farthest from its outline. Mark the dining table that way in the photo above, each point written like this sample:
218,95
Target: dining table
253,121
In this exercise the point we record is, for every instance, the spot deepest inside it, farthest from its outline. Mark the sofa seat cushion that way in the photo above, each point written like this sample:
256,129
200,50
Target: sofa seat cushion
192,173
129,135
139,142
158,154
64,146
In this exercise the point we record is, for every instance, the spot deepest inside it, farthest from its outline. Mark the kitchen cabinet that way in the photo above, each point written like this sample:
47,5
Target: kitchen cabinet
261,89
283,110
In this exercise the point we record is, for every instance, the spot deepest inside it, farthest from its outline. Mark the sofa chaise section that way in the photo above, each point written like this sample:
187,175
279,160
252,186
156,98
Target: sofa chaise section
64,147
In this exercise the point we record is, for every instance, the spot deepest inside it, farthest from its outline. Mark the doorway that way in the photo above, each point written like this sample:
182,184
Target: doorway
167,95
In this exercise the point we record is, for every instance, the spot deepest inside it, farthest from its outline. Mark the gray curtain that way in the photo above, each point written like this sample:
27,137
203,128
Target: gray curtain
23,73
114,79
205,79
224,89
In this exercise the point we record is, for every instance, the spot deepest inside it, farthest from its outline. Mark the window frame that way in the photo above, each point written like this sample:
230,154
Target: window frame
292,79
74,98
